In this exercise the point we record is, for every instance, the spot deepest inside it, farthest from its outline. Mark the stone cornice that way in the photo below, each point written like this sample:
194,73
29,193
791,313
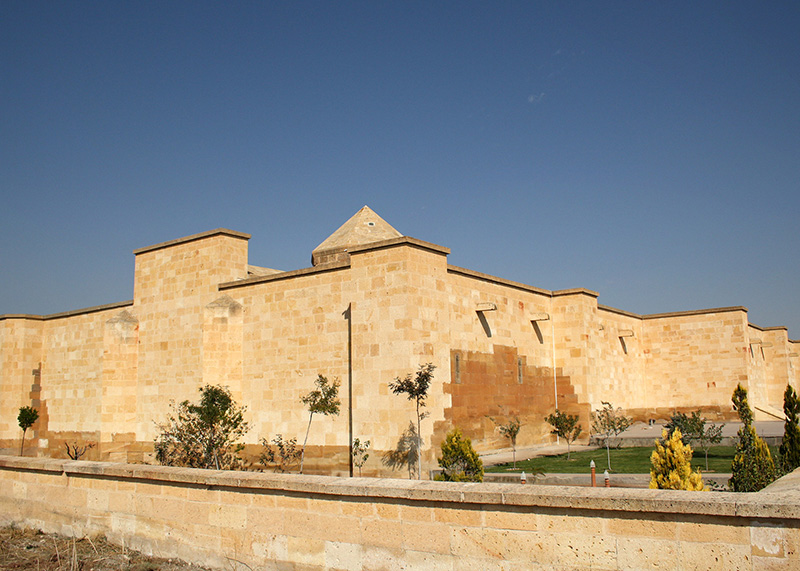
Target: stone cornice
495,280
401,241
321,269
576,291
695,312
93,309
192,238
618,311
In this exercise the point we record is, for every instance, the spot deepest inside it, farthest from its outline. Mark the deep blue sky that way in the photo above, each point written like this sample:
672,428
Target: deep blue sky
646,150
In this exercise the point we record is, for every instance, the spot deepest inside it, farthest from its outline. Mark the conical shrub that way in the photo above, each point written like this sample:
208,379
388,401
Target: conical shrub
671,463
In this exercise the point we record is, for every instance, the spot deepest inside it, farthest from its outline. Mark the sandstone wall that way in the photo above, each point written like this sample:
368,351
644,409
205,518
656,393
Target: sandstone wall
501,362
174,283
619,357
365,323
697,359
501,350
290,522
20,360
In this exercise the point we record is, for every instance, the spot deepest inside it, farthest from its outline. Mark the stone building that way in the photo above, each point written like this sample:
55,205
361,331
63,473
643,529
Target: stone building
373,306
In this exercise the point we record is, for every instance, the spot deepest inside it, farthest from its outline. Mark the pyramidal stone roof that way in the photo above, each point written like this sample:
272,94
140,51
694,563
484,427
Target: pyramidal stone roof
364,227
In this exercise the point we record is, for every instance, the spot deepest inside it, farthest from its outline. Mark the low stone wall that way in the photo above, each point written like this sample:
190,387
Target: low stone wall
275,521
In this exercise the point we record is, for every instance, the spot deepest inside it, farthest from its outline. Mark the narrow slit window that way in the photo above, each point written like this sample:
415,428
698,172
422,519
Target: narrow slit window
458,368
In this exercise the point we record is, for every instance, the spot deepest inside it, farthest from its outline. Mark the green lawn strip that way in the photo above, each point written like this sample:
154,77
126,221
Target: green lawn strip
635,460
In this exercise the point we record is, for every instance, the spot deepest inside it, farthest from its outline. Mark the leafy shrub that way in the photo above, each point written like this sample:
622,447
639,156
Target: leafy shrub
671,463
203,435
285,456
459,461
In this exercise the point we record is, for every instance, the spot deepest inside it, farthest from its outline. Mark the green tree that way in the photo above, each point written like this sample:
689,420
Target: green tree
790,445
510,430
693,428
671,464
322,400
203,435
459,461
359,453
565,426
26,418
416,388
753,467
609,422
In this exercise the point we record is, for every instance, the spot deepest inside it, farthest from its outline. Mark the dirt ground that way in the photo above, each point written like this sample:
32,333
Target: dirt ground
24,549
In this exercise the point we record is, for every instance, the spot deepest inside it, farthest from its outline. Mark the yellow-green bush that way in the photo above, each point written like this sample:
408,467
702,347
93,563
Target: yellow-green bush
672,465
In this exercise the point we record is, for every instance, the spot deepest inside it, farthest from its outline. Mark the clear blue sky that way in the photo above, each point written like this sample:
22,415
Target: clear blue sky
646,150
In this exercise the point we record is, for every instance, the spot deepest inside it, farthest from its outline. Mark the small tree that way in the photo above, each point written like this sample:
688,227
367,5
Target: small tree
510,430
416,389
753,467
203,435
693,428
790,445
284,456
459,461
359,453
322,400
671,465
609,422
565,426
27,417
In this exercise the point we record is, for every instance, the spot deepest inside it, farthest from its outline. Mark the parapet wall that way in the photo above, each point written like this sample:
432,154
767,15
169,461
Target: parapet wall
280,521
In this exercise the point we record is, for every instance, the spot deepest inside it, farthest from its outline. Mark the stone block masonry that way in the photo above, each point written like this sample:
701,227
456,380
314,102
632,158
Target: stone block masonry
291,522
375,305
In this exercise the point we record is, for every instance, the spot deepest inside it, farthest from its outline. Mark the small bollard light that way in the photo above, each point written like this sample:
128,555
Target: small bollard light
608,482
594,477
522,478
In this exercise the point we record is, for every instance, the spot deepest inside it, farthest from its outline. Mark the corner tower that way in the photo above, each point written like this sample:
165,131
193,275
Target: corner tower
364,227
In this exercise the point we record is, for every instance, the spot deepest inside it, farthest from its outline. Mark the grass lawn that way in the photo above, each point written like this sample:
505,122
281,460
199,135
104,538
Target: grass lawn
623,461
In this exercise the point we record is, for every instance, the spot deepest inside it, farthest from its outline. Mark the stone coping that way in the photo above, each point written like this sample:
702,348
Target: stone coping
622,312
782,503
73,313
495,280
343,265
518,285
576,291
321,269
400,241
192,238
696,312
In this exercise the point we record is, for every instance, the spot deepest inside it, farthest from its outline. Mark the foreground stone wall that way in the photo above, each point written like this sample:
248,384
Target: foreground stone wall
238,520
